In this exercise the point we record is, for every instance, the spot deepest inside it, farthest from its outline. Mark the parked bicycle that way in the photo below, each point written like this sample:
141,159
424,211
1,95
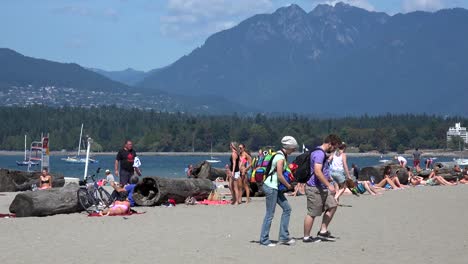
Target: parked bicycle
93,197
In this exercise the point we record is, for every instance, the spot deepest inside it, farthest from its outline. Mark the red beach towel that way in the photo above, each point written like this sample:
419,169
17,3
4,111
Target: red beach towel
7,215
208,202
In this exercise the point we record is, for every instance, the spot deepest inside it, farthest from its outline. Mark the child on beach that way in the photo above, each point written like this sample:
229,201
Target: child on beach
391,179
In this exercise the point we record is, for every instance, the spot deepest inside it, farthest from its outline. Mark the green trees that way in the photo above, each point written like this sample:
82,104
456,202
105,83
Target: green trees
153,131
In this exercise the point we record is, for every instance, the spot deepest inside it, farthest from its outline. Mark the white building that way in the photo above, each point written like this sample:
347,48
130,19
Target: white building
458,130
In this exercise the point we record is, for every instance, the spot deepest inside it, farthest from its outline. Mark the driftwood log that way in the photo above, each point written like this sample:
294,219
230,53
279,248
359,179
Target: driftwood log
46,202
152,191
204,170
16,181
377,171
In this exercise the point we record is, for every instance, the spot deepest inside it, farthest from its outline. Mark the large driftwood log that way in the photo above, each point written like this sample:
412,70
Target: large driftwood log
204,170
46,202
377,172
155,190
16,181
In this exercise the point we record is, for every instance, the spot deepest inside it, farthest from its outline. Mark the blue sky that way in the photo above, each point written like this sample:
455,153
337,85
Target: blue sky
144,34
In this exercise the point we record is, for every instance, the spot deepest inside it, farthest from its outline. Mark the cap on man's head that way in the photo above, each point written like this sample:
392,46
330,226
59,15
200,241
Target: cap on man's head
107,171
289,142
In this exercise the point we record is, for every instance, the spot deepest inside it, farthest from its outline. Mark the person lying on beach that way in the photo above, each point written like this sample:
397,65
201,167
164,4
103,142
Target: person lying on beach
456,168
435,180
45,180
368,187
391,179
464,180
121,205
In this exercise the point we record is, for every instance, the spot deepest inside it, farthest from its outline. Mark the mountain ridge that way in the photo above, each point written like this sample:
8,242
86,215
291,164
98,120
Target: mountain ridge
372,61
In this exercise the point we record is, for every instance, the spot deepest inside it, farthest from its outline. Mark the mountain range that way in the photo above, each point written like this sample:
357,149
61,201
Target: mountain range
26,81
335,59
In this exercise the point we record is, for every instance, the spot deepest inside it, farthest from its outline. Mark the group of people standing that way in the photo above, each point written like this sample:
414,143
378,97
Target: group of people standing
319,190
240,163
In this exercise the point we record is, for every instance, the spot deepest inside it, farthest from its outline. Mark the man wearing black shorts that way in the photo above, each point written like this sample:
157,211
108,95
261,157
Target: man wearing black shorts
125,157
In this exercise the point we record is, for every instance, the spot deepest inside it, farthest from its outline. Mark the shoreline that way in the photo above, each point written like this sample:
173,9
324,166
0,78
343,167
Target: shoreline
426,153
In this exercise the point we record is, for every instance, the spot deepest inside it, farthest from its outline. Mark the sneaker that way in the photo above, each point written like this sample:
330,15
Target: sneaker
290,242
311,240
271,245
326,236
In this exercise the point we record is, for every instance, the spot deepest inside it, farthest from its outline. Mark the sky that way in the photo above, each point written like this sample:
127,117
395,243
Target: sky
144,34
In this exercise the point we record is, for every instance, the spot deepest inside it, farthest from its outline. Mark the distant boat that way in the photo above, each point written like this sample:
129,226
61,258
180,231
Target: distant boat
213,159
384,160
26,161
461,162
77,159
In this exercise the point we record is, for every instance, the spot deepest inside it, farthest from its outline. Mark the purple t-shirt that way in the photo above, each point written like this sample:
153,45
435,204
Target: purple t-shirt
318,157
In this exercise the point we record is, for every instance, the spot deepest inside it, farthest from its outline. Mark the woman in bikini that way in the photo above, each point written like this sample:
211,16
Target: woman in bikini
435,180
392,180
245,165
121,206
234,177
45,180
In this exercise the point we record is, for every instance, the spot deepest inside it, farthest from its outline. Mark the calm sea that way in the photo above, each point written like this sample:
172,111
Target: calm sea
164,166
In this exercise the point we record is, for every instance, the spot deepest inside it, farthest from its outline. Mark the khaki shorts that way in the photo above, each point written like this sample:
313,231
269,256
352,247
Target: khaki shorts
319,201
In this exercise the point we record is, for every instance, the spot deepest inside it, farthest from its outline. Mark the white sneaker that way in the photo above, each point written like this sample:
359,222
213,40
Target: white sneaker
271,245
290,242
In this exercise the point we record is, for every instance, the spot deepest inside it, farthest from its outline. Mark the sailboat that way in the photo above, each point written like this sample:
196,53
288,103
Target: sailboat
26,161
77,159
461,161
212,159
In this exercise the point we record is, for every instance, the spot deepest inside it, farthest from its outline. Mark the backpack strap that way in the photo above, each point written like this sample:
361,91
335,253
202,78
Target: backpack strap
273,171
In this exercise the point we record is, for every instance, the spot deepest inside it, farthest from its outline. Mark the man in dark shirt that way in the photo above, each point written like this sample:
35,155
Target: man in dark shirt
417,159
125,157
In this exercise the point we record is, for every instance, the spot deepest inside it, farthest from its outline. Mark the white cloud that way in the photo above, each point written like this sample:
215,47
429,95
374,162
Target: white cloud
424,5
191,19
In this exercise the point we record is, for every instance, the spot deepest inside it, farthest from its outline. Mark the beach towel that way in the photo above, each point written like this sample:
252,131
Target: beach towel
208,202
7,215
132,212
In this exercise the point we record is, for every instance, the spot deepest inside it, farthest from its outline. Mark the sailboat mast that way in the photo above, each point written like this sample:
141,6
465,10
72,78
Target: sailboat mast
79,142
24,147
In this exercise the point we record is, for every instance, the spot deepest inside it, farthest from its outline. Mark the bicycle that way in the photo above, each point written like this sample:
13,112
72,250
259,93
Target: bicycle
93,197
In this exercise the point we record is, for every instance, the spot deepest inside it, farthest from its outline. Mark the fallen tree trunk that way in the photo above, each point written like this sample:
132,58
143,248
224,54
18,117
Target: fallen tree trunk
46,202
16,181
155,190
204,170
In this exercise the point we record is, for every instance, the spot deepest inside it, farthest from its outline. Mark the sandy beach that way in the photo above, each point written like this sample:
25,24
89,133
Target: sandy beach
417,225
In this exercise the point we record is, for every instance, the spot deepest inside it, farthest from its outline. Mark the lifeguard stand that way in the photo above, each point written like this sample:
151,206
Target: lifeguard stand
40,152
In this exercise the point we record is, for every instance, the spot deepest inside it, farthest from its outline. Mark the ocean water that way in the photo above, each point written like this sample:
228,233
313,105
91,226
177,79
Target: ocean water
164,166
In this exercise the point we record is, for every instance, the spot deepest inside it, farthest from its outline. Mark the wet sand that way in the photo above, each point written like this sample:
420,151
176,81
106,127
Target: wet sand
416,225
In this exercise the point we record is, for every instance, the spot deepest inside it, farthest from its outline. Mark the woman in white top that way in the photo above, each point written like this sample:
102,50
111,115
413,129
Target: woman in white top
339,169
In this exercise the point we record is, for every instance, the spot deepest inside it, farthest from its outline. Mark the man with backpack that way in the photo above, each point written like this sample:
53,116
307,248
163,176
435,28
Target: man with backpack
320,192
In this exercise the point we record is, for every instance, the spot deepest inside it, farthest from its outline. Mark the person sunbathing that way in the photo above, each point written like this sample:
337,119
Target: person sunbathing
117,208
373,190
390,179
464,178
435,180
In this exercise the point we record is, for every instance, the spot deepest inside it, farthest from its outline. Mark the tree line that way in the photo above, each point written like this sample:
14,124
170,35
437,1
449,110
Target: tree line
109,126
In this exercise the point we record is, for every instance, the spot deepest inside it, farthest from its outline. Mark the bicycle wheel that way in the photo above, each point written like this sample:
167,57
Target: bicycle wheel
86,202
104,197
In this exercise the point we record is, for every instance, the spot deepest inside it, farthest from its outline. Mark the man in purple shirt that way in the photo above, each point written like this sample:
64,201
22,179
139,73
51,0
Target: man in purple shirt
320,192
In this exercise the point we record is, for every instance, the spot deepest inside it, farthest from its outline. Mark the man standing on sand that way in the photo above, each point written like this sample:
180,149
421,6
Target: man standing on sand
126,157
320,192
417,159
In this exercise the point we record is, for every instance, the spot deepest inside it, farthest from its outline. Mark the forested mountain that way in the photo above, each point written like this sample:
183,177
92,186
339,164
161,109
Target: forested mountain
128,76
19,70
28,81
335,59
152,131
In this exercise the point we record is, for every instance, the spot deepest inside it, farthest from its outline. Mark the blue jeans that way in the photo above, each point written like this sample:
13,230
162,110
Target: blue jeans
273,197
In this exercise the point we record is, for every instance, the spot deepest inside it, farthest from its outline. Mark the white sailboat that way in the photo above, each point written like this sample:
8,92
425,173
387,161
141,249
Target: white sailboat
26,161
77,159
461,161
213,159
